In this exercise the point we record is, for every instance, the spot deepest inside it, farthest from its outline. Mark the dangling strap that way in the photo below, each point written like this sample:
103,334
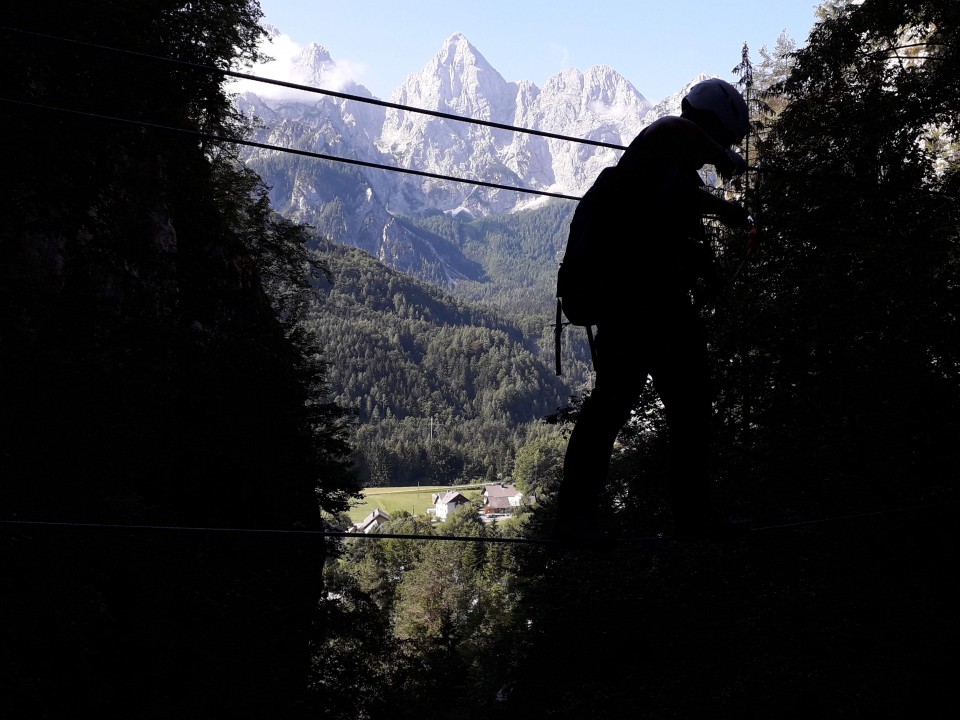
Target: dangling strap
593,347
557,333
557,330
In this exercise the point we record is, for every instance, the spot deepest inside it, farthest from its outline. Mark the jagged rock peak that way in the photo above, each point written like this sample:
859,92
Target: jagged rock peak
600,90
457,78
671,104
599,81
314,66
457,51
315,54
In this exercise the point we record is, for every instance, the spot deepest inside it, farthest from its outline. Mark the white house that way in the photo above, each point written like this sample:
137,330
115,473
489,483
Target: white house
446,503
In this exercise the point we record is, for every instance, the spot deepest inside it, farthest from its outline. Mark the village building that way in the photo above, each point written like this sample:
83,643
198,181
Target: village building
501,499
446,503
371,522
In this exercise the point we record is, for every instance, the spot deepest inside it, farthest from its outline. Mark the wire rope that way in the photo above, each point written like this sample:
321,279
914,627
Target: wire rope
658,539
321,91
305,153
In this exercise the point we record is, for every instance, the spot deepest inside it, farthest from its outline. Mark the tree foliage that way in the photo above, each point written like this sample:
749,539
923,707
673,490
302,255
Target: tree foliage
157,373
846,338
443,390
450,609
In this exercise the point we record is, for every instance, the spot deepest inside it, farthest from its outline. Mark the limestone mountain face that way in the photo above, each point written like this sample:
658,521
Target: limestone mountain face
458,80
357,205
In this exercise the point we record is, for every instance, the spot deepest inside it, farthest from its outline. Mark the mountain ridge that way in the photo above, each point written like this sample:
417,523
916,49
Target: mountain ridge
596,104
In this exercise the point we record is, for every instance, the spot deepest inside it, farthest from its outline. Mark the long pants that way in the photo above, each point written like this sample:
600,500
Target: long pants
670,347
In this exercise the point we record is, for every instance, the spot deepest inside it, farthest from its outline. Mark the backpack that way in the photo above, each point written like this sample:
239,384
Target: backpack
583,276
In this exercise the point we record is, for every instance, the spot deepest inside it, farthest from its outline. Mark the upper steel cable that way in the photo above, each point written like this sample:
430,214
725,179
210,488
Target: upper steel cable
321,91
306,153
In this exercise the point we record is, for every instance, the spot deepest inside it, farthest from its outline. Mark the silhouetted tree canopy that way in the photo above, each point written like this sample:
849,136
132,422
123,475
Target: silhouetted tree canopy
156,372
844,344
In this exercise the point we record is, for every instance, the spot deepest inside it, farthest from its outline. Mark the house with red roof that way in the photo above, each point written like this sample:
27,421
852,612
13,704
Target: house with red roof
501,499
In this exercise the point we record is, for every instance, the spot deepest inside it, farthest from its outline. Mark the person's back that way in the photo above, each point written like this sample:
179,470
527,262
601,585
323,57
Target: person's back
645,216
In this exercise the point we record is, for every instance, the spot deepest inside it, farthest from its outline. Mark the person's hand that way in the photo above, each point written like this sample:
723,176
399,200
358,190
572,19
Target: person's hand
735,217
737,164
731,164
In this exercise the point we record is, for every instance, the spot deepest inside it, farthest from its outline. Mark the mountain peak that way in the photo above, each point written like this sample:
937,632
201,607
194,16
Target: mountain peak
458,79
456,39
458,53
458,44
315,54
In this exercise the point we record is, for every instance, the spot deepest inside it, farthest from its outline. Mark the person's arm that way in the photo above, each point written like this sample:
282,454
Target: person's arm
681,139
731,214
681,143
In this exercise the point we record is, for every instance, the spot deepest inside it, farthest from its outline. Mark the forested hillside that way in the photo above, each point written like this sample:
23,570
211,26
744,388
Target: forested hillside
444,391
519,254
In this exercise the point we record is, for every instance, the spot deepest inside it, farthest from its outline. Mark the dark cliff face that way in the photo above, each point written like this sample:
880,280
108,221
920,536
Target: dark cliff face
146,383
130,347
149,384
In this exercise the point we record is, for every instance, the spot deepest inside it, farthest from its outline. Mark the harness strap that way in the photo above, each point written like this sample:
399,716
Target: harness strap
557,330
558,333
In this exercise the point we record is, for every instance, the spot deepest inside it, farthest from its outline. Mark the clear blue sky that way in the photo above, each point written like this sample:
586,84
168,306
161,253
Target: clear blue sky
658,46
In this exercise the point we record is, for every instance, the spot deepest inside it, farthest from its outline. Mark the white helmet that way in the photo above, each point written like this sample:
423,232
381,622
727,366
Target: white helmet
725,103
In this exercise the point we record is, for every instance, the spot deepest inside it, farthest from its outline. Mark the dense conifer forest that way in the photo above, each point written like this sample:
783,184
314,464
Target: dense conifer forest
182,400
443,391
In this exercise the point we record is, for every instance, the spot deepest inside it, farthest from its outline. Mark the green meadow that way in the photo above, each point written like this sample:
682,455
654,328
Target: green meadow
415,500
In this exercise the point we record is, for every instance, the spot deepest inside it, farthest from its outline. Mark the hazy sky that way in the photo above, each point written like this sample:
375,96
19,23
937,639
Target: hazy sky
657,46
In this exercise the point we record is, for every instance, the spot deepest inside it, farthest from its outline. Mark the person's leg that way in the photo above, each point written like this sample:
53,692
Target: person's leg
681,377
619,381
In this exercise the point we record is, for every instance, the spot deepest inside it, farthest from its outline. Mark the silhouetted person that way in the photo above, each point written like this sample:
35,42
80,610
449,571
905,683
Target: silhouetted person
650,323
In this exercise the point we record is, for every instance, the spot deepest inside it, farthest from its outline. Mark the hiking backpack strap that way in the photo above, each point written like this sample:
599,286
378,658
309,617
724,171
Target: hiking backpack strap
558,333
557,330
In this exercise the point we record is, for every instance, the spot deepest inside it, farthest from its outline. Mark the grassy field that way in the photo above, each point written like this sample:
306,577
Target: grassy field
412,499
